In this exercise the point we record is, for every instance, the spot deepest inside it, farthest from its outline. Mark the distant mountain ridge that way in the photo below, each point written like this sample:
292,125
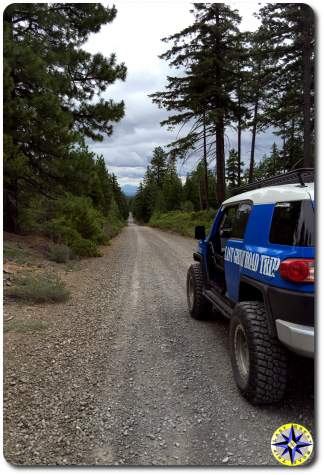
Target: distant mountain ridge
129,190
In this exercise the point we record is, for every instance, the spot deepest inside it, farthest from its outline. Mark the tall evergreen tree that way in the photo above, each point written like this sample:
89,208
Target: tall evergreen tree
119,197
269,166
50,84
206,50
242,93
233,169
289,28
258,92
172,189
158,166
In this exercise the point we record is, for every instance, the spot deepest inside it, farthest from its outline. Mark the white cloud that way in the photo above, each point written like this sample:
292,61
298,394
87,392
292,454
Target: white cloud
135,36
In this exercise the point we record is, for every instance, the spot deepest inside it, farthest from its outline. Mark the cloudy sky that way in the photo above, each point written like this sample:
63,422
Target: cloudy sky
135,36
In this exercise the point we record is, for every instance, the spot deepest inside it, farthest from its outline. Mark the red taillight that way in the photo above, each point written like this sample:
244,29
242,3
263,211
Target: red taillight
297,270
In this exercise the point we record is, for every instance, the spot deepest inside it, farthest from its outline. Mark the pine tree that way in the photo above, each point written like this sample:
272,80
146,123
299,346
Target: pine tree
172,189
292,150
242,93
233,169
194,188
258,90
50,84
289,28
270,165
119,197
275,163
161,189
138,204
206,51
191,193
158,166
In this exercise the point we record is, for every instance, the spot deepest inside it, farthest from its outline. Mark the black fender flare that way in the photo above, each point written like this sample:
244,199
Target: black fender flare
263,288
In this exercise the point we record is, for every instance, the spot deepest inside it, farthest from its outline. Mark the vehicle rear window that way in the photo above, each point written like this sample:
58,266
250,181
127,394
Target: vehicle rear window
293,224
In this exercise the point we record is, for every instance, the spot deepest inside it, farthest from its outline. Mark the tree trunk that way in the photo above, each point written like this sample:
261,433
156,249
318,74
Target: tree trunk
220,160
254,129
307,80
239,135
200,200
205,163
10,189
10,208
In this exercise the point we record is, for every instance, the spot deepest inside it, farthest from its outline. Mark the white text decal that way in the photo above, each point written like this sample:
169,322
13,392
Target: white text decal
253,261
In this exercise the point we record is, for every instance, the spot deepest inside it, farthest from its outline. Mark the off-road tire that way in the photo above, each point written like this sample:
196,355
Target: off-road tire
266,379
200,307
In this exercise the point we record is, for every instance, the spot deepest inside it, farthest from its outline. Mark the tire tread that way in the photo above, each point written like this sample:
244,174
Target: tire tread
201,306
268,357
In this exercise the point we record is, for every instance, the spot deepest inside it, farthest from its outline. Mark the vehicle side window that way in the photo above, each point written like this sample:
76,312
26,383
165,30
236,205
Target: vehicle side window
226,225
293,224
233,223
241,218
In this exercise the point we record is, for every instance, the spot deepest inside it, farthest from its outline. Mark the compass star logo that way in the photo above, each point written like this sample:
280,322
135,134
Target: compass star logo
292,444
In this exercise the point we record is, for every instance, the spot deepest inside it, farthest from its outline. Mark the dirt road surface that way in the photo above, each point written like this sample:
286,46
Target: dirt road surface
123,375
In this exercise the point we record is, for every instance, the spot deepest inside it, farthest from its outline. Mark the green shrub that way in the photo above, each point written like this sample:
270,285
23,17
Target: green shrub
39,288
113,222
84,248
183,222
187,206
73,221
31,214
83,217
60,232
77,224
59,253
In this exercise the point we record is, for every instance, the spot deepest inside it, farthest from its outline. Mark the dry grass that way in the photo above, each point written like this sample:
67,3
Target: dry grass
23,327
38,288
59,253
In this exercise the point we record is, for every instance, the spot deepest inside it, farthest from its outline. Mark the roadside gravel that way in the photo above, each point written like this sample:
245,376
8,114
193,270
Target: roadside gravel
122,375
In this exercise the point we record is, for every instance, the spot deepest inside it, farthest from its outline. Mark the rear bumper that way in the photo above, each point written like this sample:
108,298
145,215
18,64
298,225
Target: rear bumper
298,338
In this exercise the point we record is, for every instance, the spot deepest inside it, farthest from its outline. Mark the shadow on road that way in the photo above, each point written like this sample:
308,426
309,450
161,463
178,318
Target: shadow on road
301,379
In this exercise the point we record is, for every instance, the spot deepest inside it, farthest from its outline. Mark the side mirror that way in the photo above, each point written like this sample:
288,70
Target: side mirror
200,232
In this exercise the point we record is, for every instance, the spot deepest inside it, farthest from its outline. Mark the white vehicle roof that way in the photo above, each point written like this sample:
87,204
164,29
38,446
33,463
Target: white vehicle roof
275,194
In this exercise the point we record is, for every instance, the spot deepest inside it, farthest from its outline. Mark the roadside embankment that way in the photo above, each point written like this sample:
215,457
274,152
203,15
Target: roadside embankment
36,269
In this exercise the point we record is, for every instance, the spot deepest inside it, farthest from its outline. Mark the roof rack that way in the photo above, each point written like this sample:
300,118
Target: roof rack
300,175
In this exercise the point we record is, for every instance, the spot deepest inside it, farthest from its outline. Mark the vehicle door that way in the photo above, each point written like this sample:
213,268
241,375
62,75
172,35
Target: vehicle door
232,245
217,246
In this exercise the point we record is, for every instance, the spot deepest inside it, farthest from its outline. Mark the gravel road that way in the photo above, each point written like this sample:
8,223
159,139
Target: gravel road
123,375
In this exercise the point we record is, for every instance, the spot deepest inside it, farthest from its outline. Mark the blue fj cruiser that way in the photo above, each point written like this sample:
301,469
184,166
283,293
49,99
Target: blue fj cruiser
256,266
